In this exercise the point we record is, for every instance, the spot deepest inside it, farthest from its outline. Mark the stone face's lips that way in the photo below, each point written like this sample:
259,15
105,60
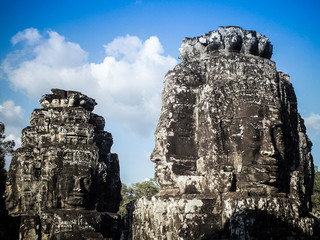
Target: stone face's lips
226,39
77,199
78,194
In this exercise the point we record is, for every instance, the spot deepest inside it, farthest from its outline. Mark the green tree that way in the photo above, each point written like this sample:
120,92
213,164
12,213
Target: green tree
8,225
6,147
137,190
316,192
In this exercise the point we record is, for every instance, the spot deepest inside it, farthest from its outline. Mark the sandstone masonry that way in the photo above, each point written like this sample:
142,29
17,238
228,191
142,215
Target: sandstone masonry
232,157
64,182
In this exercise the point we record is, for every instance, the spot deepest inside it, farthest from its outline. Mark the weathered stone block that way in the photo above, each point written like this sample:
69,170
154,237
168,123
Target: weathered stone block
64,182
232,157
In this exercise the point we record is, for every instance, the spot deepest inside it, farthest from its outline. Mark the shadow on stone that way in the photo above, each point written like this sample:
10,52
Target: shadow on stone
256,224
9,227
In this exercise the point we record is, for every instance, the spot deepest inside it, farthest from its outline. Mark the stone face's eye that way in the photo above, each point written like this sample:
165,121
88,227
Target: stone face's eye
277,133
253,135
86,183
256,135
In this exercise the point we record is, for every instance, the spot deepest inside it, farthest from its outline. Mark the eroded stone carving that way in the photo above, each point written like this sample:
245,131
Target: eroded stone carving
230,145
226,39
64,182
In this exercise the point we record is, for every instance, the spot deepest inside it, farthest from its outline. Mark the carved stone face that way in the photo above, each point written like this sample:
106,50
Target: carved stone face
254,141
81,187
233,41
75,180
75,186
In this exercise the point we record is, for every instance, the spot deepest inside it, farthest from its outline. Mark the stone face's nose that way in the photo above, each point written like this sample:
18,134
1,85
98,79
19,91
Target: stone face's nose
77,185
82,184
157,153
267,146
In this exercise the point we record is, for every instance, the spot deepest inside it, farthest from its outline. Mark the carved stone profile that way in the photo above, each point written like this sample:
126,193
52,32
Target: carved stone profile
230,145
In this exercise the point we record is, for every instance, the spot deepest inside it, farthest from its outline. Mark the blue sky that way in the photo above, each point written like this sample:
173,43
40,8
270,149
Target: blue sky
118,52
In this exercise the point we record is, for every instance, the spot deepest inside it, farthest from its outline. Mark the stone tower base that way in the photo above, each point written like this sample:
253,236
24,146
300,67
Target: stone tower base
228,216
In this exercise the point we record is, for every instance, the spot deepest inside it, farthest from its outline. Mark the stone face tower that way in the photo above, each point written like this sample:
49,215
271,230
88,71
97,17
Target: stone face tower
63,181
231,153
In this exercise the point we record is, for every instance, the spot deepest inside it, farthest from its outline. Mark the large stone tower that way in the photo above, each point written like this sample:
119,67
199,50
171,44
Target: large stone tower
63,181
232,156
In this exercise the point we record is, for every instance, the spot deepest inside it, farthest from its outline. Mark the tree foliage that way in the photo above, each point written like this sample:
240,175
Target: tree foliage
6,147
137,190
316,192
8,226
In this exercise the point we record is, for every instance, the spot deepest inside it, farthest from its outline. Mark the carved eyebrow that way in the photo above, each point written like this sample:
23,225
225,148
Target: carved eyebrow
279,125
255,124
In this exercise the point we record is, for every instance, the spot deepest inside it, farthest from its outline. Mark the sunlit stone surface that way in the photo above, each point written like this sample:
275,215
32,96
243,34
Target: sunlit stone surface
63,181
231,154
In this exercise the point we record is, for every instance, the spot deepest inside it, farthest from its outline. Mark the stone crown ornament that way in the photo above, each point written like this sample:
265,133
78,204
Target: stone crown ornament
226,39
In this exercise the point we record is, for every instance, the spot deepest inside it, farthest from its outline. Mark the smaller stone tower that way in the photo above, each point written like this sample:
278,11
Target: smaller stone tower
63,181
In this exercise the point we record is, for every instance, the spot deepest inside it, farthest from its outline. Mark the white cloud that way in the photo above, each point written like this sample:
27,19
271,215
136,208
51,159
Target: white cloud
16,139
313,123
127,47
12,117
56,52
127,84
9,112
30,35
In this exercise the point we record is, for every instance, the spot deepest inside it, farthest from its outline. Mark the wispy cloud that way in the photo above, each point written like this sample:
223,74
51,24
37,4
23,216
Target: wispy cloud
12,116
127,84
10,112
313,123
30,36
